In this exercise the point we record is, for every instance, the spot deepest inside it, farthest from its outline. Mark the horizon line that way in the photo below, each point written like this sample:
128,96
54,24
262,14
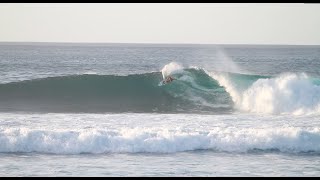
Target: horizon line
154,43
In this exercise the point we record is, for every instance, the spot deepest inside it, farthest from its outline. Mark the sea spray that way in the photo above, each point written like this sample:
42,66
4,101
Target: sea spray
171,68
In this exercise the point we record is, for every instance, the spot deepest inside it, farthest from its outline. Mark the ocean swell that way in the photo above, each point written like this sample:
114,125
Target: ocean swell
194,90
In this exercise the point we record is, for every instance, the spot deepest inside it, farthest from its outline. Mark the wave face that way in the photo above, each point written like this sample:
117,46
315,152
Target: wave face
194,91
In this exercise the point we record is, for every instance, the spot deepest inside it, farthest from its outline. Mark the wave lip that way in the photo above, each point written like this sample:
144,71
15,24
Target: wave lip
151,140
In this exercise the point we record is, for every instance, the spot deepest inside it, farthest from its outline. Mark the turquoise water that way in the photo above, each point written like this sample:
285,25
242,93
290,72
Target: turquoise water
101,110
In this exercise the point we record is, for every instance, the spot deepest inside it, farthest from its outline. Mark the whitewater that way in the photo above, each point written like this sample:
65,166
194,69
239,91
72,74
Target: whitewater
103,110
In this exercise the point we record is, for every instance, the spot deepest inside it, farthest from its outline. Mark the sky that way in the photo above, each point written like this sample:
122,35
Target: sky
203,23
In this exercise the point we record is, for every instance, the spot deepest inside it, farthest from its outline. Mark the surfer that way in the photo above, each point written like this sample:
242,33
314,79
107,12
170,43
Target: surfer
169,79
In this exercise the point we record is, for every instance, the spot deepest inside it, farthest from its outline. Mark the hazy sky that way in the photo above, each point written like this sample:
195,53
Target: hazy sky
162,23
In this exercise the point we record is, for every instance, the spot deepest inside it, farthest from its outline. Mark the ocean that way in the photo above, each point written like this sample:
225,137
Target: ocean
86,109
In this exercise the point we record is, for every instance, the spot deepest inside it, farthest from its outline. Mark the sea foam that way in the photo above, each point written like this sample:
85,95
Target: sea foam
153,140
287,93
